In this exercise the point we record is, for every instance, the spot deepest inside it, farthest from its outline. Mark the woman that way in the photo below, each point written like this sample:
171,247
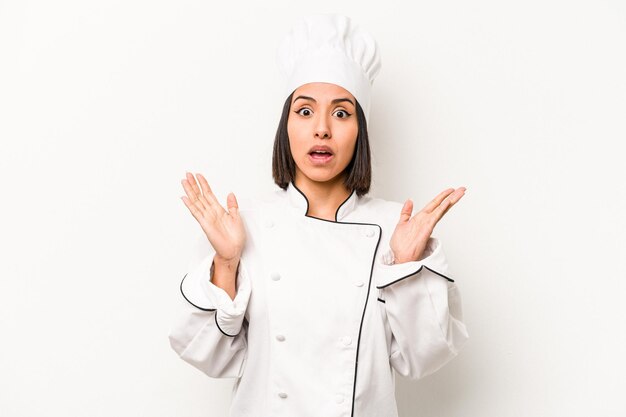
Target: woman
312,296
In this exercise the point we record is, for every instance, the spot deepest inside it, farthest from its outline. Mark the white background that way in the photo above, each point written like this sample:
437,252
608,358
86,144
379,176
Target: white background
105,104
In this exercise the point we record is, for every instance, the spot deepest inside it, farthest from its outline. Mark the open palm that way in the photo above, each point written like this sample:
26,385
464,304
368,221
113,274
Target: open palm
224,229
411,234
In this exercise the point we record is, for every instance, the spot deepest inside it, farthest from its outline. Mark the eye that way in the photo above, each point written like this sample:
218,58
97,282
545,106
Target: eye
304,114
344,113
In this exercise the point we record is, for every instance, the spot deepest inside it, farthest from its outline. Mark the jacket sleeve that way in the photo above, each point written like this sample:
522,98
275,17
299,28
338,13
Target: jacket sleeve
421,307
210,332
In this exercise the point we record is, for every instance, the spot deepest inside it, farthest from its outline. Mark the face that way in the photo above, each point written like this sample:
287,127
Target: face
322,116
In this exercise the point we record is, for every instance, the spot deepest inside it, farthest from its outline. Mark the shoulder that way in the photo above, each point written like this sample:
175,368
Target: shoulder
380,211
376,203
256,204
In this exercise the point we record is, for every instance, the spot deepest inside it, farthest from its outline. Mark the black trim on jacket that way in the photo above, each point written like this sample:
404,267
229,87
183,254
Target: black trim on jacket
413,273
218,326
369,286
181,291
203,309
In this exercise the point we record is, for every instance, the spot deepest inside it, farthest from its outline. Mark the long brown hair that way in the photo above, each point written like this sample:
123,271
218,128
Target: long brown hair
359,170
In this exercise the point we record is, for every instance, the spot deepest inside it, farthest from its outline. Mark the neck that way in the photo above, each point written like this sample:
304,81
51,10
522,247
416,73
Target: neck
324,197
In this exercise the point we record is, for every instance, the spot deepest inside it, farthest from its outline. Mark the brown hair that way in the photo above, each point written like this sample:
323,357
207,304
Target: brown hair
359,170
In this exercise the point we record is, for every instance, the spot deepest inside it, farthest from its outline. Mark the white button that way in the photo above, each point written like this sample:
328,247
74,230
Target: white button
346,340
269,223
275,276
280,337
369,232
338,398
359,283
282,395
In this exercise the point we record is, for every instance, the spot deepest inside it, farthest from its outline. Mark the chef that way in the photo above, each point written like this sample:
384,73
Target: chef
315,295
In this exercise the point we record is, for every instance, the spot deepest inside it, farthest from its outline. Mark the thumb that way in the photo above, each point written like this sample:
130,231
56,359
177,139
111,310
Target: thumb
231,202
407,209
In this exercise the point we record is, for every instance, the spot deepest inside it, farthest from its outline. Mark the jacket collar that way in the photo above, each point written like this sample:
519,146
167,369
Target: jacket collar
298,200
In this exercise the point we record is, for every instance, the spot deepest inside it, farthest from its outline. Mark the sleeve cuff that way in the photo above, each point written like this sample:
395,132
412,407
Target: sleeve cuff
434,260
197,288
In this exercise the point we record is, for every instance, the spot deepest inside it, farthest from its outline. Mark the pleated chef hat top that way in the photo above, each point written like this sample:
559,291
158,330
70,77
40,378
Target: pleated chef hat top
329,48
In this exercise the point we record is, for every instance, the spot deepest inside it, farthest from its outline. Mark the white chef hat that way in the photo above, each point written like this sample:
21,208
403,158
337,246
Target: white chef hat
329,48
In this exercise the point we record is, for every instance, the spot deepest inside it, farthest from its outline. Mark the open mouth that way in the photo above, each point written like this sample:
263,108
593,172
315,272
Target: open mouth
320,156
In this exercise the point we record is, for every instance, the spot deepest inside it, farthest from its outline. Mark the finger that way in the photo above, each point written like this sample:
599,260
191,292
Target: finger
193,183
207,192
428,208
206,196
192,195
195,212
449,202
407,209
193,187
455,200
233,206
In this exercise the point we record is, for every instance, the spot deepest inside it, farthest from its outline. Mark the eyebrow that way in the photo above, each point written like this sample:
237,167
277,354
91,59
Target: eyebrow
337,100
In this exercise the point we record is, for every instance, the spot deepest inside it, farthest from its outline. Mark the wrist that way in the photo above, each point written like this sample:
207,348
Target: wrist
224,270
400,259
226,263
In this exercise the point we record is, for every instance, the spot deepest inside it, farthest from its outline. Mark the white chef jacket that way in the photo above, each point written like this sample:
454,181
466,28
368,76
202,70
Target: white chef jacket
321,319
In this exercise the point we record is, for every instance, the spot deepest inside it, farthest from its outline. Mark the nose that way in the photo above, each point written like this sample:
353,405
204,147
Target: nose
322,129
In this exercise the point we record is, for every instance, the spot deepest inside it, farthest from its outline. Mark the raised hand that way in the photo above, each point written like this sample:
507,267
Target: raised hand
224,229
411,235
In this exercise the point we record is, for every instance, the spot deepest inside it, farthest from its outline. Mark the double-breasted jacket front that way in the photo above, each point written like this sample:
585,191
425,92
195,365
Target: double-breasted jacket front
321,318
